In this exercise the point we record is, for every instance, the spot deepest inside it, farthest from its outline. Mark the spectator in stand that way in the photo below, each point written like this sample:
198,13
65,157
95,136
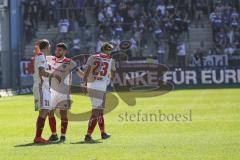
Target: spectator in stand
118,32
234,14
134,47
198,57
213,51
183,5
141,24
186,23
101,17
217,24
236,39
63,26
75,50
122,8
199,54
168,25
229,50
199,10
87,39
118,19
157,35
82,21
51,16
181,54
161,52
137,36
178,22
44,9
100,43
221,39
34,11
64,4
170,8
213,15
115,41
29,30
131,14
234,23
172,49
134,26
108,12
79,12
25,9
161,8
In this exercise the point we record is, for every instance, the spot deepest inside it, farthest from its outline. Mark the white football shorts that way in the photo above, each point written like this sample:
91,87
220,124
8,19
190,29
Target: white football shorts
42,97
60,100
97,93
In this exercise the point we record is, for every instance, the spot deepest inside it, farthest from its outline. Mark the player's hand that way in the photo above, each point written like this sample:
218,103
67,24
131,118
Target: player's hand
111,78
84,88
57,77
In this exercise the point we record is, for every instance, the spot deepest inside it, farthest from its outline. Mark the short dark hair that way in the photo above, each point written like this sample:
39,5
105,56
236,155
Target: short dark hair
43,43
62,45
107,47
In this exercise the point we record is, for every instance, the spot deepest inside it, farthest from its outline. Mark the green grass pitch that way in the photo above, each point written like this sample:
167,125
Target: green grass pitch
213,133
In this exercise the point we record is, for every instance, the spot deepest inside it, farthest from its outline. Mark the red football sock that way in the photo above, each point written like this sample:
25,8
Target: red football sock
64,125
101,123
52,124
91,125
40,125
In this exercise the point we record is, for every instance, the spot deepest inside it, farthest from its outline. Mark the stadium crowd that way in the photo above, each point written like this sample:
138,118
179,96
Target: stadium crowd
163,22
56,13
225,25
166,23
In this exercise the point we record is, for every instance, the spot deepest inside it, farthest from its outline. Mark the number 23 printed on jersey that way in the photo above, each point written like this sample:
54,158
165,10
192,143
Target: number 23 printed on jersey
100,68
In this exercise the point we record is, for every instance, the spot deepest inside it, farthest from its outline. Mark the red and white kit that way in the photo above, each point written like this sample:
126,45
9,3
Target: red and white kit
99,77
41,88
60,92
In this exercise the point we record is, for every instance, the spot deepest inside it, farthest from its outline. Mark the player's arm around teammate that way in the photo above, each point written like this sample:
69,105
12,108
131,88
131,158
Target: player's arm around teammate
41,89
60,93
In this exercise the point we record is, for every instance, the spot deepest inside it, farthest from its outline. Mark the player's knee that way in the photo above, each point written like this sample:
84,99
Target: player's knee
63,114
63,119
51,114
101,112
43,113
94,113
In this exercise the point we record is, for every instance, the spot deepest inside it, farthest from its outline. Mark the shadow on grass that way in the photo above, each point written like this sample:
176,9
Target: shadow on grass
92,142
36,144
